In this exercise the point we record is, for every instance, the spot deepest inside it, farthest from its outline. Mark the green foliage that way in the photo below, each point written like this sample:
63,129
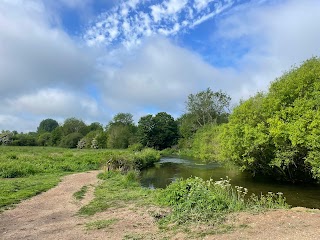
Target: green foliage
127,161
73,125
194,200
71,140
206,143
45,139
121,131
159,131
277,133
136,147
47,125
207,106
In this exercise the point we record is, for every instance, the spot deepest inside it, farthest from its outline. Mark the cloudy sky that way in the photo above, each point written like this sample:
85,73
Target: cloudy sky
91,59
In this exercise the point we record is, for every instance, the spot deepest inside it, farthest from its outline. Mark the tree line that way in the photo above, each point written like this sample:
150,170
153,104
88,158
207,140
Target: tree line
159,131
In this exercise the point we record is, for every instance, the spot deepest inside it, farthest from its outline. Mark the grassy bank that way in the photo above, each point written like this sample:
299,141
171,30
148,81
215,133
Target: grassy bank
27,171
182,203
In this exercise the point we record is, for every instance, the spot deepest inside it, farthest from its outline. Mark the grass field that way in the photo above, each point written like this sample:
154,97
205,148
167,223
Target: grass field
27,171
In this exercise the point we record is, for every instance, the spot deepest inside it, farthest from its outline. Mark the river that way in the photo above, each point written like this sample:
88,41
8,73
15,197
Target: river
169,169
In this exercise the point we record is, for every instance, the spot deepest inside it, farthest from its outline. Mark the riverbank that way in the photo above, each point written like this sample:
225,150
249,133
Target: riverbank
55,215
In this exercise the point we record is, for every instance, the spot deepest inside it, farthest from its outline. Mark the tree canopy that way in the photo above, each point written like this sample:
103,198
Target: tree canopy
278,133
159,131
47,125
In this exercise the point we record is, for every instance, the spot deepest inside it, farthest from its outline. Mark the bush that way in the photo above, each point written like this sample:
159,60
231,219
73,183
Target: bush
194,200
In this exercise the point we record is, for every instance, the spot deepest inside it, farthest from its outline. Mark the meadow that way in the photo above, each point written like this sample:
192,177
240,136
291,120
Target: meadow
27,171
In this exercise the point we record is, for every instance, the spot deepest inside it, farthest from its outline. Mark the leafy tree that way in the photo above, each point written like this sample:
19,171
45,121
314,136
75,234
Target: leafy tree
47,125
121,131
95,127
123,118
73,125
160,131
146,134
208,106
277,133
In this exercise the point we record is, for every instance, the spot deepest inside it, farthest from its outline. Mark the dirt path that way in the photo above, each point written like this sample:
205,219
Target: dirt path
52,215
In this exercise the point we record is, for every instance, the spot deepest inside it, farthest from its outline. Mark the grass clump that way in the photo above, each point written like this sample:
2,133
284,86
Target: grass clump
79,195
100,224
116,190
196,200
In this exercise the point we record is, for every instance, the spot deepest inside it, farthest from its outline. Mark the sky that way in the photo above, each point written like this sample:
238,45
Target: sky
92,59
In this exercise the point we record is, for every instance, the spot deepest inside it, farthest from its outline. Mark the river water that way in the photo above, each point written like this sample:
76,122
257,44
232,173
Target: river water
169,169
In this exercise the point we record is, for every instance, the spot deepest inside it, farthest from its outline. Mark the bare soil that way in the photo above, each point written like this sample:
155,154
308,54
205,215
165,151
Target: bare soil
53,215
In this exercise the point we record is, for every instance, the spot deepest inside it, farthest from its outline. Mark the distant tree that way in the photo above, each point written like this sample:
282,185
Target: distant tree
95,127
121,131
208,107
146,134
47,125
160,131
73,125
123,118
166,130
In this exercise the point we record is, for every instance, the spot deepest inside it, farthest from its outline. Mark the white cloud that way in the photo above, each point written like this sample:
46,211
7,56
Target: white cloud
159,76
147,20
278,36
33,54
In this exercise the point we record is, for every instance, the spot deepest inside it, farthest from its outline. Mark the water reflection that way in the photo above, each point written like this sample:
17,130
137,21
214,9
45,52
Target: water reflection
169,169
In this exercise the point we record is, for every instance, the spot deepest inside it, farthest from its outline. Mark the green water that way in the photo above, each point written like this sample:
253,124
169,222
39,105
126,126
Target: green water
169,169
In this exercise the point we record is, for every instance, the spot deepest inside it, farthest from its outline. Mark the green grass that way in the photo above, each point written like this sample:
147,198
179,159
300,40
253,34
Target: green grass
100,224
79,195
16,189
117,190
27,171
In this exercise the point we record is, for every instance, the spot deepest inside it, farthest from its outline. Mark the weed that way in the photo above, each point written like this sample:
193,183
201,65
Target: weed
81,193
99,224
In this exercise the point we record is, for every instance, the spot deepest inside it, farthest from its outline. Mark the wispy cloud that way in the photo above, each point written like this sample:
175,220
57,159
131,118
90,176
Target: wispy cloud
132,20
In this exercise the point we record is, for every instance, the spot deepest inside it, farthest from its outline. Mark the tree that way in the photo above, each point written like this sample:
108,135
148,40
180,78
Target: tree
277,133
123,118
47,125
160,131
166,131
121,131
73,125
208,107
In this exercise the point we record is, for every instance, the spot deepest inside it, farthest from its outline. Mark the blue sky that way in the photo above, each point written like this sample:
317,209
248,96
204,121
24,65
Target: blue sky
91,59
